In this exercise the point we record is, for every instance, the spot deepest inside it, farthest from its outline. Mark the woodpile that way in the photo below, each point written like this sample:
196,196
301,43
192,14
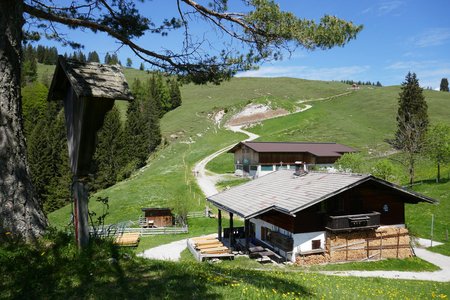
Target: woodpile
127,239
384,242
209,245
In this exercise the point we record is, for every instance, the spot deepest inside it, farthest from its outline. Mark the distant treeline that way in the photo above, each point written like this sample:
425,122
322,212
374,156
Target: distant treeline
352,82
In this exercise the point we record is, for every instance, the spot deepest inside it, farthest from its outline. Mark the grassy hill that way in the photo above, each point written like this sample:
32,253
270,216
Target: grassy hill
362,119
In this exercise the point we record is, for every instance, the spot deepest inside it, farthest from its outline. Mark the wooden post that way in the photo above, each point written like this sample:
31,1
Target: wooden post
398,240
231,231
219,229
247,233
432,229
381,245
367,239
346,248
81,223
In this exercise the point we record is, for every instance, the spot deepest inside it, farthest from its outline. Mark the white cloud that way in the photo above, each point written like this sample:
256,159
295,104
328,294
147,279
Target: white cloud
432,37
387,7
337,73
411,65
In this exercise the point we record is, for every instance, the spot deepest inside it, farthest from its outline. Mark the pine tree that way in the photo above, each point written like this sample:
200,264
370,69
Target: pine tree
444,85
412,121
108,157
175,94
107,59
141,67
93,57
129,62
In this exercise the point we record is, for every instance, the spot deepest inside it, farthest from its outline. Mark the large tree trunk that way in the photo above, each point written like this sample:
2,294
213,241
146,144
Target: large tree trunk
20,212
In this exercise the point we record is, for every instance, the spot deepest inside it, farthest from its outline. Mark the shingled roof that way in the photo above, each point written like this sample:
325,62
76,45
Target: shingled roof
91,80
317,149
287,193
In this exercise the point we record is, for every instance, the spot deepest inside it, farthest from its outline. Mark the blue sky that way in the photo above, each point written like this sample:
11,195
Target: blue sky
398,36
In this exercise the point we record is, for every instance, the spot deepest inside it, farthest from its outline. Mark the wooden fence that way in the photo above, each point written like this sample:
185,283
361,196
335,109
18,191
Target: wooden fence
106,231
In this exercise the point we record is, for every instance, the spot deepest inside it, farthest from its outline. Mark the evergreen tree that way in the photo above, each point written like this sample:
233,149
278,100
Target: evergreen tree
129,62
412,121
444,85
142,129
29,70
93,57
107,59
48,159
141,67
108,157
34,105
175,94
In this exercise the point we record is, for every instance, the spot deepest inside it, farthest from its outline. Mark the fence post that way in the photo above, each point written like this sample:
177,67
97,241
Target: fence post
432,229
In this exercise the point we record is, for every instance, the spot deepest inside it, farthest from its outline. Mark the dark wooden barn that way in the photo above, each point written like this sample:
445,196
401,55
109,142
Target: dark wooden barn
157,217
260,158
294,213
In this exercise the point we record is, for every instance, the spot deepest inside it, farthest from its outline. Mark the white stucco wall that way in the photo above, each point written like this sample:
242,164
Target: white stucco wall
303,241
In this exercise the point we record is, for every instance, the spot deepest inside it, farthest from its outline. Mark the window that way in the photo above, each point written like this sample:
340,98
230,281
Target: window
315,244
267,168
253,168
265,233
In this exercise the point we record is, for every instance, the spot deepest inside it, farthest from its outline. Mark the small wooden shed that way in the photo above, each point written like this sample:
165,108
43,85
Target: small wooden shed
88,91
157,217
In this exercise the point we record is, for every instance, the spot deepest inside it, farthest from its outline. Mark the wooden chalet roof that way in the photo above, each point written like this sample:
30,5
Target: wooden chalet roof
91,80
317,149
287,193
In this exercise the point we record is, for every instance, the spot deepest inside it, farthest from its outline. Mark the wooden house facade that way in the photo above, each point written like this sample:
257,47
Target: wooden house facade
157,217
260,158
294,214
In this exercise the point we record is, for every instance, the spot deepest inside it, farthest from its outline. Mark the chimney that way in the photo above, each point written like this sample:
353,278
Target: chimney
300,168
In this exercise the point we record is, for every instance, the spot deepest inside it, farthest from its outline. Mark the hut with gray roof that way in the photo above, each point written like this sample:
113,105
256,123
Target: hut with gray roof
294,213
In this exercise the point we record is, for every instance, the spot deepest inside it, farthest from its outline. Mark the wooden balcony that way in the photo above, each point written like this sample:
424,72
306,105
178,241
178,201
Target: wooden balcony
353,222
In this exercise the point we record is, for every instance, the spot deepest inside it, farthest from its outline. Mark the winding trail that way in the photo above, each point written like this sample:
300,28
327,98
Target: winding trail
205,180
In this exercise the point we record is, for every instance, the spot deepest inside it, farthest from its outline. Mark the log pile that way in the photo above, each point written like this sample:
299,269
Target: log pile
384,242
127,239
209,245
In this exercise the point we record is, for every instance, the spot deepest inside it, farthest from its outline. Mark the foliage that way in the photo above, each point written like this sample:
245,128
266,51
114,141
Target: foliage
48,160
412,122
93,57
174,94
444,85
141,67
437,146
111,59
34,105
142,127
129,62
109,156
350,162
384,169
29,66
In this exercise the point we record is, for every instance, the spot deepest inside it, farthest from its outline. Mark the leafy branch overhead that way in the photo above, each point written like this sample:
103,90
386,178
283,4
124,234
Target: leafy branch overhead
263,28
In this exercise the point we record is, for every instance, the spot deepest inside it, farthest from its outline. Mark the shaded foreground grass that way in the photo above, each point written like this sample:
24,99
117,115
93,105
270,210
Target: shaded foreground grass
55,269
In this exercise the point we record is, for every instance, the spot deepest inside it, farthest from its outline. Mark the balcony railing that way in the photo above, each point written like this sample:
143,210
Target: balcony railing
353,222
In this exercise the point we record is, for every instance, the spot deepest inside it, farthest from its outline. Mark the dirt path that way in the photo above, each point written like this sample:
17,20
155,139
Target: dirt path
207,180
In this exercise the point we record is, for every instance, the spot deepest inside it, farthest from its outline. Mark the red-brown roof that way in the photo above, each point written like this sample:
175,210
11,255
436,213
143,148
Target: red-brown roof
317,149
